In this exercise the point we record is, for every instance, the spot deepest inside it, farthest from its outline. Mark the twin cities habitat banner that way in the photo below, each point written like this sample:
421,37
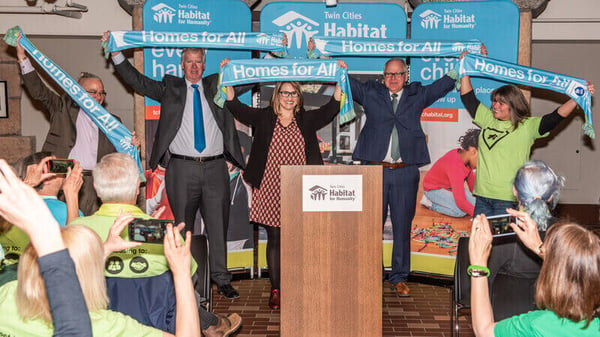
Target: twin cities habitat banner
238,72
343,46
121,40
575,88
118,134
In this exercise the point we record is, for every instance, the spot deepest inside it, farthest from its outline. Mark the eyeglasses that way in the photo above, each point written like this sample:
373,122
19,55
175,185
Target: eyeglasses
289,93
94,92
396,74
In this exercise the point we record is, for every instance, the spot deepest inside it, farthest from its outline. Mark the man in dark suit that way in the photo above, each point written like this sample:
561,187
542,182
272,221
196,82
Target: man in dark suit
72,133
392,137
196,175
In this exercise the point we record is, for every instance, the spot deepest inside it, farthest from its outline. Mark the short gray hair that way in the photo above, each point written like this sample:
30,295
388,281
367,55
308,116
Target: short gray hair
116,178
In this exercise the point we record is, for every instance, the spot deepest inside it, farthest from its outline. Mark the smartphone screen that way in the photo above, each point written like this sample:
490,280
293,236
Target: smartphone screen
60,166
499,223
148,230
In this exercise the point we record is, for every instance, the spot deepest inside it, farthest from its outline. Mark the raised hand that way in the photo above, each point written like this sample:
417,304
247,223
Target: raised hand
114,242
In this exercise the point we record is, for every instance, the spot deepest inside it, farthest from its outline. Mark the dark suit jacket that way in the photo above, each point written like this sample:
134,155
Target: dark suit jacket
263,120
171,93
63,116
374,138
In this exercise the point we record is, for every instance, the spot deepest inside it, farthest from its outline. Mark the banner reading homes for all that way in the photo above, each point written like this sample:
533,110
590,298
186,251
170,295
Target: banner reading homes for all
303,20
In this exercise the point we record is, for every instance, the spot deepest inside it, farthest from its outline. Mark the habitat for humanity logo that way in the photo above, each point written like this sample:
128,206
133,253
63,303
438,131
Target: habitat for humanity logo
430,19
186,14
452,18
163,13
317,192
297,27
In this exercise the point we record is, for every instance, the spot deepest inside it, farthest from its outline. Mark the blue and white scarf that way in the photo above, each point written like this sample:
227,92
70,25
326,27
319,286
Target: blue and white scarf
576,88
238,72
118,134
121,40
342,46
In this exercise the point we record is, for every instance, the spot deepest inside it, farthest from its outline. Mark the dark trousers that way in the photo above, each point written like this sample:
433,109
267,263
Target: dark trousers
193,186
400,188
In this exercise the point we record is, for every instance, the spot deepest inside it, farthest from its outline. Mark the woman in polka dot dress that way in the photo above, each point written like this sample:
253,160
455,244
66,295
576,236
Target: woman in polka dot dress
284,134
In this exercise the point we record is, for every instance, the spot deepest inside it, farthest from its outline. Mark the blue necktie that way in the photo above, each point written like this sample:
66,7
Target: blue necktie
395,153
199,141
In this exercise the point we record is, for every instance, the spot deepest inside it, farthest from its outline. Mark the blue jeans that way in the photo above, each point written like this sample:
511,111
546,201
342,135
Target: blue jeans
443,202
491,207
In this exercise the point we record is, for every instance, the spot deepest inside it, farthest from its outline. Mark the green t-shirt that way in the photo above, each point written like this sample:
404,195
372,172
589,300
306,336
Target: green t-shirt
544,323
502,151
104,322
13,242
144,261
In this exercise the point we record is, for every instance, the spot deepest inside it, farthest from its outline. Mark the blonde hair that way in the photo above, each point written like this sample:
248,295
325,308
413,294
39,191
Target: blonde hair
116,178
85,248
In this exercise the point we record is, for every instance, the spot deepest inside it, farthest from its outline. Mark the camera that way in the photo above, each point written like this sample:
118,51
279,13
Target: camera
499,223
60,166
148,230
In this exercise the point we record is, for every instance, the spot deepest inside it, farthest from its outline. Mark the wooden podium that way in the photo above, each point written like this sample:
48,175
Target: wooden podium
331,258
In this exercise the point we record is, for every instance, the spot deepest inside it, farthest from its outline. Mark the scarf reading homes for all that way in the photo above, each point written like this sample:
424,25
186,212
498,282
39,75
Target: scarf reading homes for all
116,132
238,72
576,88
344,46
121,40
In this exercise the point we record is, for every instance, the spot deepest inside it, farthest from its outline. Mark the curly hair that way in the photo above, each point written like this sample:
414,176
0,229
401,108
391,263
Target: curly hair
469,139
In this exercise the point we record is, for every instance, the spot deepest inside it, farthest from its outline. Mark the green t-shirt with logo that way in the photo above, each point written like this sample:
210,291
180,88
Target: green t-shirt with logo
13,242
502,151
144,261
104,322
544,323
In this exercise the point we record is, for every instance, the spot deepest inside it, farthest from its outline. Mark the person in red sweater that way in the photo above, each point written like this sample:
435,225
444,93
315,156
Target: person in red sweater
444,184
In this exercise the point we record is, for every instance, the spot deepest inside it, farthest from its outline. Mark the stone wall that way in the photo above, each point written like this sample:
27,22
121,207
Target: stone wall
12,144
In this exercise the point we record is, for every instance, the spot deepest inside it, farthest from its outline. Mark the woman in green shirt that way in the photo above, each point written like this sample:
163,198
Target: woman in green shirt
567,292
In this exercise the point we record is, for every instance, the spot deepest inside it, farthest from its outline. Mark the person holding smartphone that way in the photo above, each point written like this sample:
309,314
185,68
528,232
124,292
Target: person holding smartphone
35,170
512,266
144,267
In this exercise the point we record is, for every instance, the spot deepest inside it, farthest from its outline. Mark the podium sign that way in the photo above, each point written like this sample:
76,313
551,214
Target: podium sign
331,257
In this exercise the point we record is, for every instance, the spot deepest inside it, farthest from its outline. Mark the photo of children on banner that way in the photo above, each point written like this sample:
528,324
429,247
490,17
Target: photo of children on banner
444,184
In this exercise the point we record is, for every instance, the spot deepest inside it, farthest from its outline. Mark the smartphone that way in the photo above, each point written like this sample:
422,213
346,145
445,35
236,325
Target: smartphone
499,223
148,230
60,166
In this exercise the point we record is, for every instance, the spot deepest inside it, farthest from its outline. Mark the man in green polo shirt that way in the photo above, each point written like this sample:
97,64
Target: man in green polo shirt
143,268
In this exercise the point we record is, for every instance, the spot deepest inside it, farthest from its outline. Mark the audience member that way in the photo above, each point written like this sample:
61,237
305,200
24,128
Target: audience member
444,188
567,292
66,310
511,260
284,134
26,305
193,139
116,178
48,188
